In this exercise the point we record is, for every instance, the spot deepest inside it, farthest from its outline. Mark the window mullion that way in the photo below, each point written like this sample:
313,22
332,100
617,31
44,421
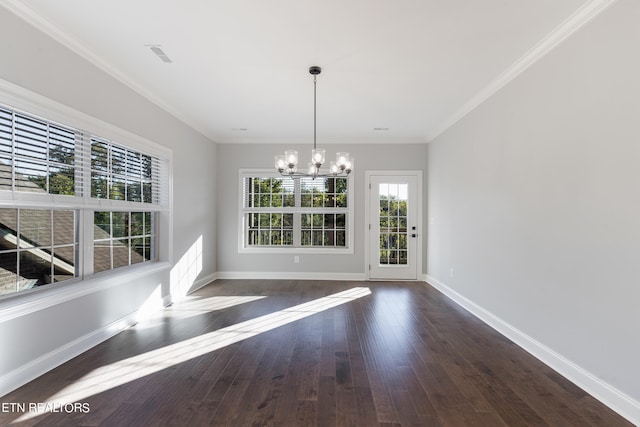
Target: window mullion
18,248
13,151
52,245
85,239
297,233
153,217
47,144
297,218
85,216
83,166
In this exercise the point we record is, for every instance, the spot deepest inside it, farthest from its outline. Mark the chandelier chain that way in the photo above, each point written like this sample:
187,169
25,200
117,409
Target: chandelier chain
314,111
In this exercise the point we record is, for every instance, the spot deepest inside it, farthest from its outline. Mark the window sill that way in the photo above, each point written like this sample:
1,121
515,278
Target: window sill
20,304
296,250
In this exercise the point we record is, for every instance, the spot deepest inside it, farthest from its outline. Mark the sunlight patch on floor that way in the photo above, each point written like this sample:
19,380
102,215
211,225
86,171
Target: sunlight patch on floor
136,367
202,305
194,307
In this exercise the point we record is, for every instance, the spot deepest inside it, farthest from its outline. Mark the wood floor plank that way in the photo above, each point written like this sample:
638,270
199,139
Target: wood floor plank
379,363
252,351
327,351
403,355
271,393
259,392
327,404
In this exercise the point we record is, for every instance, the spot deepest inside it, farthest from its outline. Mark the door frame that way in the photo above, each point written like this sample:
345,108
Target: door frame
367,217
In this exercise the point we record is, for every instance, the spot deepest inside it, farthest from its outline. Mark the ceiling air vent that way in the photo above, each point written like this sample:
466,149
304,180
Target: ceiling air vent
160,53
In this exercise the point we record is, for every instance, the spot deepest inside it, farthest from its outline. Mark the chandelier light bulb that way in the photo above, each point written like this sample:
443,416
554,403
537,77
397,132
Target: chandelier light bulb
348,165
291,157
317,156
280,162
341,159
312,169
333,168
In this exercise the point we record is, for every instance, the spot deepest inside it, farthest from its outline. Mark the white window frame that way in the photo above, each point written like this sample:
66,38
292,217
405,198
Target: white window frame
297,211
24,101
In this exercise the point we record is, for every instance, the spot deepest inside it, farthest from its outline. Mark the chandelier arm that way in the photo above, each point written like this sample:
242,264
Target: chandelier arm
287,164
341,174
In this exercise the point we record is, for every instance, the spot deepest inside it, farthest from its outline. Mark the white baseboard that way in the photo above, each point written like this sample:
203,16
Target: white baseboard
166,301
605,393
289,275
203,281
32,370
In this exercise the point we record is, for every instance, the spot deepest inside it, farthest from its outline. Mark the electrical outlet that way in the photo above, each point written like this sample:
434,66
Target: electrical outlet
296,259
451,272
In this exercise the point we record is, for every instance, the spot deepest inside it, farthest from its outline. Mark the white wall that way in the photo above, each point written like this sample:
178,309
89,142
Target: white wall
232,158
534,201
35,336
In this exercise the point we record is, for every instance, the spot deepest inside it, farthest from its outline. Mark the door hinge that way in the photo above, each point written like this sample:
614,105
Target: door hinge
369,266
369,226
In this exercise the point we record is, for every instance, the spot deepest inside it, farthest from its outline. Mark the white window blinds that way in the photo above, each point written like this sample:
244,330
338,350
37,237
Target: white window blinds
39,156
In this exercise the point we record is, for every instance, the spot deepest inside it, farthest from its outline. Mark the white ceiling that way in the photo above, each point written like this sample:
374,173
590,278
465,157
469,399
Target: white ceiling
240,67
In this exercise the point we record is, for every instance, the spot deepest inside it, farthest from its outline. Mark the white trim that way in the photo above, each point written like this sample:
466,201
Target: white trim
166,300
583,15
349,211
203,281
276,250
367,216
27,302
325,141
34,104
289,275
25,199
605,393
33,369
23,11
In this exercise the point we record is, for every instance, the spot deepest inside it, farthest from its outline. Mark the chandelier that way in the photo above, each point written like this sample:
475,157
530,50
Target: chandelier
287,163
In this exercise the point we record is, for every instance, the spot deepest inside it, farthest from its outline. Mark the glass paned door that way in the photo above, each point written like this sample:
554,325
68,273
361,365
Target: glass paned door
393,228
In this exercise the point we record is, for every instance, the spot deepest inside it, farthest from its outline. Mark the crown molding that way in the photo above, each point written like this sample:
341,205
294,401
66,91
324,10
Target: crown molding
20,9
577,20
34,104
583,15
323,142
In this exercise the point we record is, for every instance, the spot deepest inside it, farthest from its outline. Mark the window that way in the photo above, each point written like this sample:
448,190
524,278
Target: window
37,247
280,213
121,239
118,173
53,228
35,155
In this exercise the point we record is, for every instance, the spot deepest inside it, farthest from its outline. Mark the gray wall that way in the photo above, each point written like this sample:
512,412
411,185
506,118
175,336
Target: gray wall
42,65
534,201
232,158
34,61
533,197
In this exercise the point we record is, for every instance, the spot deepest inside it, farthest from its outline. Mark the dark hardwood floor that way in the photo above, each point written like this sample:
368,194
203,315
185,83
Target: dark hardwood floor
307,353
